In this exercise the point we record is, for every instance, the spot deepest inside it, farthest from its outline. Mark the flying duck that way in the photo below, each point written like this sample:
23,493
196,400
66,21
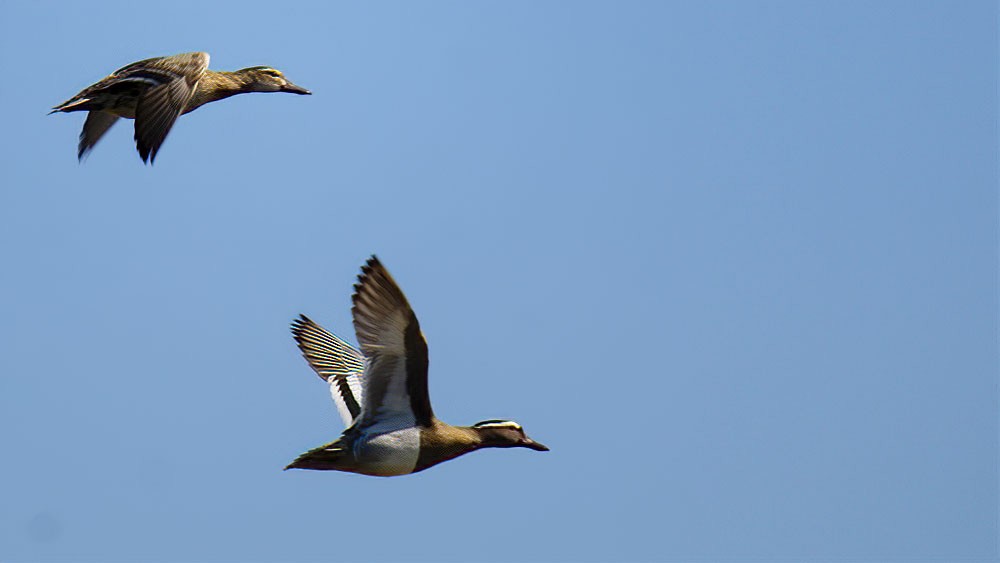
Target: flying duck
154,92
381,390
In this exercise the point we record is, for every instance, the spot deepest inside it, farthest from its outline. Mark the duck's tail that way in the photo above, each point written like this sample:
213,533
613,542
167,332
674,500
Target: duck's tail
72,104
330,456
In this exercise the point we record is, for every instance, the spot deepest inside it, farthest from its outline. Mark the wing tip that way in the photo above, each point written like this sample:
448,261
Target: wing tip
300,328
300,324
144,152
372,267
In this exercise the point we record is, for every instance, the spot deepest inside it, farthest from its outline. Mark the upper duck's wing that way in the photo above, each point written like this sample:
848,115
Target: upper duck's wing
171,84
395,381
97,124
334,360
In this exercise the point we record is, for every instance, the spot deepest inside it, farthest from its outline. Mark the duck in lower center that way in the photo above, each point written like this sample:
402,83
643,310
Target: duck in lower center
381,390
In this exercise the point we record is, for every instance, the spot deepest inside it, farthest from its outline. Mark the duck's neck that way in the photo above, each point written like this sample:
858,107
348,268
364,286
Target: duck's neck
444,443
217,85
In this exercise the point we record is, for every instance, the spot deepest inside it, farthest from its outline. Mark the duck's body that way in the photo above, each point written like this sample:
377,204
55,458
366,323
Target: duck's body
381,391
154,92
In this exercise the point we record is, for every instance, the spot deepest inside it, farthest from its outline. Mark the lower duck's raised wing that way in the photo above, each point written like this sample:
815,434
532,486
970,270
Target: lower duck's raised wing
336,362
395,381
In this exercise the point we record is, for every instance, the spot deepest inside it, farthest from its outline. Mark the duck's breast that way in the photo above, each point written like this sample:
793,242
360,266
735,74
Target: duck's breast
389,453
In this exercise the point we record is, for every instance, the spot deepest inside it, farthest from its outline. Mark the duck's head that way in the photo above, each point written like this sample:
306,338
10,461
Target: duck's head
505,434
267,79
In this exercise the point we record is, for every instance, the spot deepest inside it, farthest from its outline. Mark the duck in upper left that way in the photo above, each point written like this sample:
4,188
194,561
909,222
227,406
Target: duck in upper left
155,92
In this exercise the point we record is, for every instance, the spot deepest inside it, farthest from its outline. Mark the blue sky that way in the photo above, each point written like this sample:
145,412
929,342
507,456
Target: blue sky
734,262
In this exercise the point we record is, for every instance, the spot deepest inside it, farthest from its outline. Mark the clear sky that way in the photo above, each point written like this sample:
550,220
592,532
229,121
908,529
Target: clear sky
734,262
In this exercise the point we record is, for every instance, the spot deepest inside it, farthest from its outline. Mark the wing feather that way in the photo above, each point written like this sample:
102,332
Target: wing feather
395,381
336,362
97,124
172,83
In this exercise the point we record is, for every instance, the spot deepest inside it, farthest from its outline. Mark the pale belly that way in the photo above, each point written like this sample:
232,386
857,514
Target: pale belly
389,453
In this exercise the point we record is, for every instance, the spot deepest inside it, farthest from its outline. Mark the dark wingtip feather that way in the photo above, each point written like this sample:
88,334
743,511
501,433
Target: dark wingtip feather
299,326
146,152
369,266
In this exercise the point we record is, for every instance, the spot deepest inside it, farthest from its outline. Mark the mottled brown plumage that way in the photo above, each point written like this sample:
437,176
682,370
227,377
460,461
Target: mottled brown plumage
155,92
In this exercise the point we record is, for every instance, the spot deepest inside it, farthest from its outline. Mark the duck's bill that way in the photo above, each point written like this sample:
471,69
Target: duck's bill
292,88
529,443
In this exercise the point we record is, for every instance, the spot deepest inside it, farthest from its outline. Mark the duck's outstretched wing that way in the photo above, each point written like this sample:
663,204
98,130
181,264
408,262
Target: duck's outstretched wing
395,382
336,362
171,84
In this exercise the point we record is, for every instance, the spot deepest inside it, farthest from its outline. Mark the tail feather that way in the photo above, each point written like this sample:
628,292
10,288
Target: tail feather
73,104
330,456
